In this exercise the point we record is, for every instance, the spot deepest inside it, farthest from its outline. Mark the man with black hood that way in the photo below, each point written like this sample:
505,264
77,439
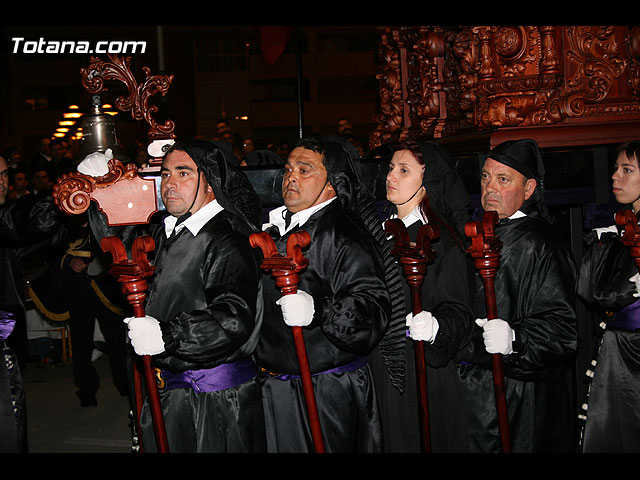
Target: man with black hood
203,310
343,305
535,333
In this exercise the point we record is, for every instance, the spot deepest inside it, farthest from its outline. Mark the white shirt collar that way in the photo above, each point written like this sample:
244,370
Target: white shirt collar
412,217
276,216
196,221
518,214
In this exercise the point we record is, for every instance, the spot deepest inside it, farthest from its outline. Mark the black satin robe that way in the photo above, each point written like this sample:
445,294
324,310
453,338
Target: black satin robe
445,293
27,226
204,293
535,292
345,276
613,414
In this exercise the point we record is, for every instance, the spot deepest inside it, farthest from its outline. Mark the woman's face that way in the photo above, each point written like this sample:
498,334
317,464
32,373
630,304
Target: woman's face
404,177
626,181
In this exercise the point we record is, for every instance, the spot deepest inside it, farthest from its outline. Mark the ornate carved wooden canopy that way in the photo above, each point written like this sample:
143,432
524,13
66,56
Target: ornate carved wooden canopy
564,85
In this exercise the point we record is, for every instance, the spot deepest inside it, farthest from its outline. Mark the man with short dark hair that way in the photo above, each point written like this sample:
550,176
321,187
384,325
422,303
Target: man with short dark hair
535,333
202,311
343,306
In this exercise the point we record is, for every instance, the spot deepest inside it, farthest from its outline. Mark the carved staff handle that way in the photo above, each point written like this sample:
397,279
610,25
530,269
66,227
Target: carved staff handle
285,271
132,275
631,236
485,250
413,257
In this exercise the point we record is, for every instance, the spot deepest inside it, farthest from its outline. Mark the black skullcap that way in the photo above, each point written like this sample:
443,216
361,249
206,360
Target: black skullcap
525,157
521,155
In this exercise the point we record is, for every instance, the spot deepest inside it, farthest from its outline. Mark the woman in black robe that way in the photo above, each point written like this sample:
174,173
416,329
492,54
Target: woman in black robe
608,282
423,187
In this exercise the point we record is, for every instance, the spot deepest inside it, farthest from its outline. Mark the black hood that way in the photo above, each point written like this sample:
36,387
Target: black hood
231,187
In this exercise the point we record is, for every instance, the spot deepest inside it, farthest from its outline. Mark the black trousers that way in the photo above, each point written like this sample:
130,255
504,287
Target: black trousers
84,308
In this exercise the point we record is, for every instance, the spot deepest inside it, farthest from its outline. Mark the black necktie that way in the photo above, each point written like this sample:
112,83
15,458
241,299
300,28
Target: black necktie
287,215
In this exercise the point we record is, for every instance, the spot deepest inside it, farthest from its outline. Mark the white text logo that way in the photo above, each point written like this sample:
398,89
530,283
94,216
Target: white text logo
69,46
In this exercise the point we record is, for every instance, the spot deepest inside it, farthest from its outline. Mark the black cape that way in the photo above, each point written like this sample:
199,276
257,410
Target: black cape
612,414
445,293
345,276
27,226
204,293
535,293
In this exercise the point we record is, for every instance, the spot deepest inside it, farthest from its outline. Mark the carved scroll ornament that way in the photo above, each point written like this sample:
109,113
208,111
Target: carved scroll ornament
118,68
129,200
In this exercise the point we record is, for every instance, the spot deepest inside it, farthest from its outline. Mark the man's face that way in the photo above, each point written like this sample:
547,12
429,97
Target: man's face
4,180
504,189
344,126
181,183
44,145
15,158
20,182
56,151
248,146
40,180
222,127
305,180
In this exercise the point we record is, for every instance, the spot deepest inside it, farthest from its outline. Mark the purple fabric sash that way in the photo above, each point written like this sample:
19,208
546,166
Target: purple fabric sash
359,362
7,323
214,379
628,318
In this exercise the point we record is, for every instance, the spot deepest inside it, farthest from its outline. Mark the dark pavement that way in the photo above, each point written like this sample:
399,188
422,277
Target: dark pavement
56,423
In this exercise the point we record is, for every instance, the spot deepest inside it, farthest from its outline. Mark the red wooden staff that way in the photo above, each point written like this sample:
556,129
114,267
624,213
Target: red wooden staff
414,258
285,271
132,275
485,250
125,198
631,236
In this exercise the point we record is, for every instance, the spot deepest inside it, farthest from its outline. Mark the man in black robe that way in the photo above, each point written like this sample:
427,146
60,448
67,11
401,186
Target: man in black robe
27,227
13,436
202,310
343,306
535,333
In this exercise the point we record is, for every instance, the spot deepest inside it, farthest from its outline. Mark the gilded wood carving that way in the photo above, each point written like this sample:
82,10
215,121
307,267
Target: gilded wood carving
474,78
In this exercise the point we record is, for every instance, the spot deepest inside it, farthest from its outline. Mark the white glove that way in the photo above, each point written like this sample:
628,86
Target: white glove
422,327
158,148
599,231
636,279
145,335
297,308
498,335
96,164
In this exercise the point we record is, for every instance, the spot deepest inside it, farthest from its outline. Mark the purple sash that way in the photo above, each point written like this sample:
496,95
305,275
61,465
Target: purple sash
214,379
359,362
628,318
